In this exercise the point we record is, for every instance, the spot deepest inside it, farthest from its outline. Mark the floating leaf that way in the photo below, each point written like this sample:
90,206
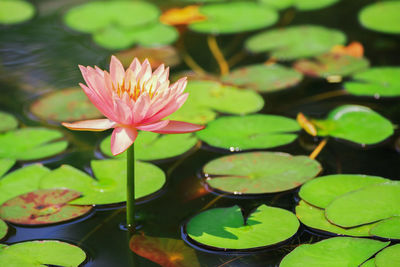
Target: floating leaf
15,11
388,228
333,252
321,191
94,16
31,143
5,165
7,121
42,253
314,218
164,251
249,132
369,263
355,123
277,4
331,64
208,97
21,181
70,104
110,186
296,41
381,17
376,82
303,5
153,146
241,17
167,55
3,229
46,206
225,228
390,256
357,208
264,78
260,172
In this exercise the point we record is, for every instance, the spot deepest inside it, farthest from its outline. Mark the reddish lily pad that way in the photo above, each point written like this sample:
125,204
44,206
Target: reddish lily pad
164,251
264,78
43,207
260,172
331,64
3,229
70,104
7,122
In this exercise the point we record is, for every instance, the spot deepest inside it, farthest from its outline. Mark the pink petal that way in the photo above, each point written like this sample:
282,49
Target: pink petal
154,126
179,127
140,108
117,71
122,139
90,125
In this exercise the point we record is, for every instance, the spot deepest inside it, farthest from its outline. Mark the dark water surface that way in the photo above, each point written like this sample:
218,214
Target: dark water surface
42,55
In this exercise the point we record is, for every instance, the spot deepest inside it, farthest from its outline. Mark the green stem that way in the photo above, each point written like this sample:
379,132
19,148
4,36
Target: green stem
130,189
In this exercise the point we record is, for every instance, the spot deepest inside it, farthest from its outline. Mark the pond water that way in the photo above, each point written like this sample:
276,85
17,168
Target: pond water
41,55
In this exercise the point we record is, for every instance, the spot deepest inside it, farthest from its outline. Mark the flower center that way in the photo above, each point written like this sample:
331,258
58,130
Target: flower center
134,91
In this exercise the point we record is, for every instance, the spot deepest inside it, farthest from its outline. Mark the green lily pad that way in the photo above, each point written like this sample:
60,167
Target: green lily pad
46,206
7,121
314,218
388,228
155,34
21,181
249,132
388,257
5,165
366,205
41,254
381,17
234,17
110,185
331,64
333,252
296,41
264,78
15,11
303,5
153,146
31,143
225,228
323,190
70,104
355,123
260,172
3,229
277,4
208,97
94,16
376,82
369,263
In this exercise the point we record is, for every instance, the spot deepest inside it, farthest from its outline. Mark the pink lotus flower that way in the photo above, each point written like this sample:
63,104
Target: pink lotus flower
131,100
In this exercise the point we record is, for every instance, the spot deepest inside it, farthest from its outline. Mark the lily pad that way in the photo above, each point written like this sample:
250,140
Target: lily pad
296,41
153,146
376,82
381,17
264,78
208,97
7,121
164,251
366,205
110,185
3,229
226,229
389,228
369,263
15,11
355,123
260,172
331,64
388,257
314,218
241,17
303,5
94,16
249,132
333,252
42,253
46,206
21,181
323,190
70,104
5,165
31,143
